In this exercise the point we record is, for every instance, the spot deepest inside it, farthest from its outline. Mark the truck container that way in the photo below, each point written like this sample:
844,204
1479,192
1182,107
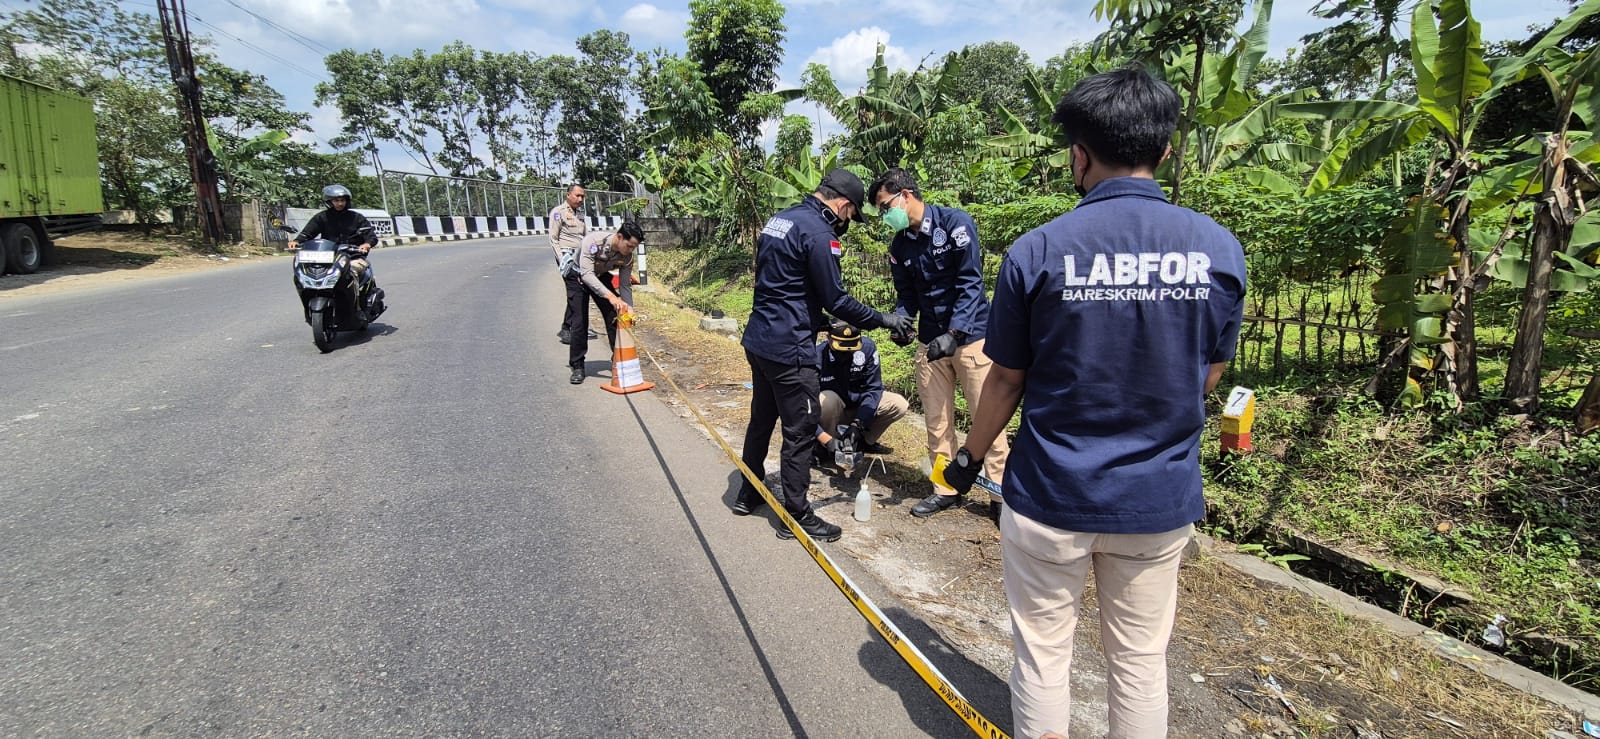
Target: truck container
49,171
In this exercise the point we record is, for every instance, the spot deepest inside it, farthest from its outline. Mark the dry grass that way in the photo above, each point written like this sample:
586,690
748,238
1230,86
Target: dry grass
1340,672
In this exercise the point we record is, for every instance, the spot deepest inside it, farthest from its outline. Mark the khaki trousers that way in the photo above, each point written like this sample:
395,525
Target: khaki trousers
936,385
891,407
1136,582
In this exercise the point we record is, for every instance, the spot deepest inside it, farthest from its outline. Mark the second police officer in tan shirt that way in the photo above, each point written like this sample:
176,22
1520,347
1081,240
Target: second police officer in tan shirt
567,229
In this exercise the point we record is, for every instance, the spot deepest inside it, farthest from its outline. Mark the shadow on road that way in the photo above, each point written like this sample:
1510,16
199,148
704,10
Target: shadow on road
983,691
744,623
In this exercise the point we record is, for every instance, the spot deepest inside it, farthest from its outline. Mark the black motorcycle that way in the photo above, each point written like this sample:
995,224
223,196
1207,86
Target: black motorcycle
334,299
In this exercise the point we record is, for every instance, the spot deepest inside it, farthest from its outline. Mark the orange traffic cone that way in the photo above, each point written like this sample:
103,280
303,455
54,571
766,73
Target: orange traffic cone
627,376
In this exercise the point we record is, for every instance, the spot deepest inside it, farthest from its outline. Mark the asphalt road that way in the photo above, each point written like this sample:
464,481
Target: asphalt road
209,528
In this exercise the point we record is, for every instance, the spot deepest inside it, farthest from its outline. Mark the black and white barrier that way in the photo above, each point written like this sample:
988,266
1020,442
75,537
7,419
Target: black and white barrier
430,225
382,222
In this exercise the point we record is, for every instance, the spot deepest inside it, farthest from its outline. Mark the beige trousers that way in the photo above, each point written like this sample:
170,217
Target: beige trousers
891,407
936,385
1136,582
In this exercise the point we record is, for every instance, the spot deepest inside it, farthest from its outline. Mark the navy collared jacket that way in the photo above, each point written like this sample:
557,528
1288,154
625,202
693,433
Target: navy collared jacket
938,275
855,377
797,279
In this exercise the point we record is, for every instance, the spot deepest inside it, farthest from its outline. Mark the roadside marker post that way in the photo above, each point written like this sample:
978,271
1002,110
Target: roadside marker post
1237,416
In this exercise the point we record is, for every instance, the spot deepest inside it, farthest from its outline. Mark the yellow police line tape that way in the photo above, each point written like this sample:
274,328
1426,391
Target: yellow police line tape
885,628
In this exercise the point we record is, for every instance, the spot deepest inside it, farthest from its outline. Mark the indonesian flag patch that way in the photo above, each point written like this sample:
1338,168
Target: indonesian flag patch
834,246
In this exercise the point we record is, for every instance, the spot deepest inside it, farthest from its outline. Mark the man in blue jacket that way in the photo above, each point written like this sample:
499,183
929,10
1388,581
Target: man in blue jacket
797,279
937,267
1110,325
853,396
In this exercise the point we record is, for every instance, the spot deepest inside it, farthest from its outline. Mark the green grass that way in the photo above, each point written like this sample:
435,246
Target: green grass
1502,511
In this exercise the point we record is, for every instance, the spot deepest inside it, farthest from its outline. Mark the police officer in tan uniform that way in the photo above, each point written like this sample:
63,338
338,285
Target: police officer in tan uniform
599,254
567,229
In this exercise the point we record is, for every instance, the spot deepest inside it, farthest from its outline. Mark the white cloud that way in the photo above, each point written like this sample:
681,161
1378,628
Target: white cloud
924,12
325,124
927,12
850,56
647,21
560,12
386,24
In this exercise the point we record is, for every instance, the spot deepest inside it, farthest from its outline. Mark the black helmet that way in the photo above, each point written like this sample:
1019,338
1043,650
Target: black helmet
336,191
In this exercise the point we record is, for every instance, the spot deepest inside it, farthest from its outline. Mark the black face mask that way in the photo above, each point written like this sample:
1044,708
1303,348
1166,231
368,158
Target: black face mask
840,225
1075,186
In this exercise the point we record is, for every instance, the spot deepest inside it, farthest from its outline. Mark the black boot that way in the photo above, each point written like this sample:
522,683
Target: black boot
746,504
814,526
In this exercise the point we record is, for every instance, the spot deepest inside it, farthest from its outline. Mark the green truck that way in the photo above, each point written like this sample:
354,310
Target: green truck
49,171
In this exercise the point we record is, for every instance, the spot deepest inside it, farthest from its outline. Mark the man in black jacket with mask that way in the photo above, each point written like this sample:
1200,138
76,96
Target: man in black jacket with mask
797,279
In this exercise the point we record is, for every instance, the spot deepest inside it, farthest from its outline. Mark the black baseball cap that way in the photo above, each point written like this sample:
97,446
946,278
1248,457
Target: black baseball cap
846,183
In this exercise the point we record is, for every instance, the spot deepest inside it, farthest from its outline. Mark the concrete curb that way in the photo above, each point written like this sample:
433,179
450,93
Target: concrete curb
401,240
1488,664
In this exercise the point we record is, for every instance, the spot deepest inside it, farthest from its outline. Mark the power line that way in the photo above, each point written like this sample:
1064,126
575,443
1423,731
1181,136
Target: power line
247,44
316,47
260,50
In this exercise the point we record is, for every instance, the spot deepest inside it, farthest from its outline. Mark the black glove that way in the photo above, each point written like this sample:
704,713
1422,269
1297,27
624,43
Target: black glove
901,339
897,323
944,346
850,437
962,471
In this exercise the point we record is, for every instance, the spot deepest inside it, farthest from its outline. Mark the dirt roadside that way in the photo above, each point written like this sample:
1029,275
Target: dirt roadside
1335,676
1248,658
107,257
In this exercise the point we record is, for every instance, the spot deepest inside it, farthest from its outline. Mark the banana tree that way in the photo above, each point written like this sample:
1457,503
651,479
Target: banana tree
888,118
1415,251
788,185
1043,150
1163,29
1226,123
241,164
1454,86
1555,217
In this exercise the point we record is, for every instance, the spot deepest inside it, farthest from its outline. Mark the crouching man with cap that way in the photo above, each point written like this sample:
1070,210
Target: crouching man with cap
797,280
853,395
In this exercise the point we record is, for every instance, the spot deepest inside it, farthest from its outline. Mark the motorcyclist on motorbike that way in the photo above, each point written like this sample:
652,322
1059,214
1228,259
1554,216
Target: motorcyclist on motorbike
342,225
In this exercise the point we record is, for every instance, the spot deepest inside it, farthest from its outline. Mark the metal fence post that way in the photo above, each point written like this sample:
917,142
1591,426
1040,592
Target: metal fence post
502,189
450,201
406,209
427,195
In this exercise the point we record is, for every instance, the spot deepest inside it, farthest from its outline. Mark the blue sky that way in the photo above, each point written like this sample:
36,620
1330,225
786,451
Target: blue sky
840,33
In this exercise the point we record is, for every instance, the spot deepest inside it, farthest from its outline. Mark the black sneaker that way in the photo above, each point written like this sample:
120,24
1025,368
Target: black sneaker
873,447
935,503
743,506
593,335
565,336
577,375
814,526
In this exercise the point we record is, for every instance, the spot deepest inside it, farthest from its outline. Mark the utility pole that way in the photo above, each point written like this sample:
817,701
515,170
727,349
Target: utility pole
202,161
